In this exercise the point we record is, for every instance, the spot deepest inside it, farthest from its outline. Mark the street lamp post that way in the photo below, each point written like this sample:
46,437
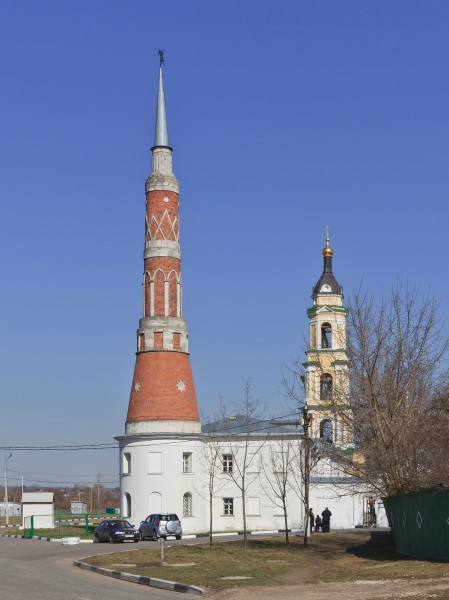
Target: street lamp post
6,490
306,423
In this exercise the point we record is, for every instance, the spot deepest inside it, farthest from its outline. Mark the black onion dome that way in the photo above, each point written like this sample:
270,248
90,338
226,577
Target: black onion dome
327,284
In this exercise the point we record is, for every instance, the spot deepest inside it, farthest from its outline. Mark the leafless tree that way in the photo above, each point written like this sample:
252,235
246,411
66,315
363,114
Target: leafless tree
396,404
306,455
305,458
244,445
277,474
210,456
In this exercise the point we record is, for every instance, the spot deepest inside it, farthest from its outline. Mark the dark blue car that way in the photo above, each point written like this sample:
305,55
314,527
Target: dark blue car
116,530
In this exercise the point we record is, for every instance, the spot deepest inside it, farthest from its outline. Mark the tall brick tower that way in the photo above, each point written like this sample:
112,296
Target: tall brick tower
162,394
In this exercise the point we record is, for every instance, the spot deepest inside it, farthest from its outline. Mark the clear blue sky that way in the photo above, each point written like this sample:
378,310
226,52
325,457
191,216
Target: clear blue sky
284,117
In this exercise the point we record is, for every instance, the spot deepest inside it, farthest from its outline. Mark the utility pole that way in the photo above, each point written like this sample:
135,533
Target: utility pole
306,423
6,490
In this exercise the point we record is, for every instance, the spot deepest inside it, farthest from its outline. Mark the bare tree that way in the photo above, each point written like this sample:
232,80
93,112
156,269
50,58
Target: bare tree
277,473
398,392
210,456
305,458
244,446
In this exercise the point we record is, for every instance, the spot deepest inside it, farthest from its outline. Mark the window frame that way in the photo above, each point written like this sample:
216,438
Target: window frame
227,462
326,336
187,462
326,386
327,424
189,498
126,463
228,507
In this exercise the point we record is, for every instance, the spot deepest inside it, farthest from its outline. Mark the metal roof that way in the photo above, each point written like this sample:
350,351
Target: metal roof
161,133
37,497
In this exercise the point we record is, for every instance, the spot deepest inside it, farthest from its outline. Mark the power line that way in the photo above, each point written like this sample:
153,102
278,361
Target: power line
78,447
88,483
61,474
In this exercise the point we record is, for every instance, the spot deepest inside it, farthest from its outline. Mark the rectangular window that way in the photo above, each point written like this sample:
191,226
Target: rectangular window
126,463
254,463
187,462
279,462
228,506
253,506
155,462
227,463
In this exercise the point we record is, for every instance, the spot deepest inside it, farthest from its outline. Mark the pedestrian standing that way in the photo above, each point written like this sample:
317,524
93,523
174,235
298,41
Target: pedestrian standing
311,519
317,523
326,514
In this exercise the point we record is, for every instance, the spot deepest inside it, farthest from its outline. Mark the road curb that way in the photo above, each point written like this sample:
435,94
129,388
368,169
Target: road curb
186,537
142,580
40,538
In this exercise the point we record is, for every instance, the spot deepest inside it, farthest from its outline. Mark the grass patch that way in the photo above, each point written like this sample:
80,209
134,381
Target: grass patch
332,557
63,531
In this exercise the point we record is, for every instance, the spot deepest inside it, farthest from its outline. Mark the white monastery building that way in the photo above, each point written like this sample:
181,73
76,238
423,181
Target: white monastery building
168,462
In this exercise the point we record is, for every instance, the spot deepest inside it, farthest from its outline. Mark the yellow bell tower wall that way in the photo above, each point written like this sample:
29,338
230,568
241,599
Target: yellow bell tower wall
326,359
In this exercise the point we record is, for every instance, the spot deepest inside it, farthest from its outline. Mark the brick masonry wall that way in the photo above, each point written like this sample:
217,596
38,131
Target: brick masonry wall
163,388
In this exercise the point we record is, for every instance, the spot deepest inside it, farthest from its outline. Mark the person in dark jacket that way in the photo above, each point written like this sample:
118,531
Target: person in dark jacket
311,519
317,523
326,514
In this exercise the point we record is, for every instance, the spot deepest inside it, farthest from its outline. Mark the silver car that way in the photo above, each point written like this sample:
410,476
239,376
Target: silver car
160,525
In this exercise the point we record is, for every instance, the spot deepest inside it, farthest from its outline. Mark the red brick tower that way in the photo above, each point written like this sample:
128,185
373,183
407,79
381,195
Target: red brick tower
162,394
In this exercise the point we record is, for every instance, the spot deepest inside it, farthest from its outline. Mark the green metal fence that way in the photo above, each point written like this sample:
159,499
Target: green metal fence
80,525
420,523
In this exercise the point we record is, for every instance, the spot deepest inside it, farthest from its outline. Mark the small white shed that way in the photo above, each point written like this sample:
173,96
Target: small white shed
40,505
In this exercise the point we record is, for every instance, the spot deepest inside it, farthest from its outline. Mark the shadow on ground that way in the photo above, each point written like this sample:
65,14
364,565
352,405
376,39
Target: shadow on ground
380,547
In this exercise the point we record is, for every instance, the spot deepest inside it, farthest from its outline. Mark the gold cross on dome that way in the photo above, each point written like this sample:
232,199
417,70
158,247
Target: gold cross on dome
327,231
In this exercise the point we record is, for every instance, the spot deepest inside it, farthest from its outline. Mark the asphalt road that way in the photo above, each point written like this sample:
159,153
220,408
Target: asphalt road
37,570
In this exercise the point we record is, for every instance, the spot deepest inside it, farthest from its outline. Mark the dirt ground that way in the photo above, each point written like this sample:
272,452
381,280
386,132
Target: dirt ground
367,562
436,588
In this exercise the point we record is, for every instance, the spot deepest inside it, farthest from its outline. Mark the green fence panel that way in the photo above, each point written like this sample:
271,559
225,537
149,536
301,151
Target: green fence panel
420,523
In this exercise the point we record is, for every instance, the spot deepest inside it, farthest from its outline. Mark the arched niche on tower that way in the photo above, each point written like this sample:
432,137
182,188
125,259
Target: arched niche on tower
159,302
148,294
313,340
326,335
326,383
173,294
327,430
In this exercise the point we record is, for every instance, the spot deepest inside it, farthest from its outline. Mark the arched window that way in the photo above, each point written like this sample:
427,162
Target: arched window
127,505
159,294
155,505
326,387
327,430
326,335
187,505
172,294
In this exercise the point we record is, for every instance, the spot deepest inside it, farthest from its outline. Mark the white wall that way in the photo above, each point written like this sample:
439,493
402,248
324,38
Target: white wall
157,483
43,515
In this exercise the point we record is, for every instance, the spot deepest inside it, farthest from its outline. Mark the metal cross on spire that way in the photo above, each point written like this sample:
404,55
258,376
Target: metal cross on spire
327,231
161,57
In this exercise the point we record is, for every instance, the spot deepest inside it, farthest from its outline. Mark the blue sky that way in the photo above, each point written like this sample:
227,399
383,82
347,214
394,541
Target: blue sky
284,117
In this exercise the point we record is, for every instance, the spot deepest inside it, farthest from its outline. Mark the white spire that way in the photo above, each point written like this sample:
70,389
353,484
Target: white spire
161,133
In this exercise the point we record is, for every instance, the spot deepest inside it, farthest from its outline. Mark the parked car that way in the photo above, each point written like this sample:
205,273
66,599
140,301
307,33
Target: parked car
116,530
161,525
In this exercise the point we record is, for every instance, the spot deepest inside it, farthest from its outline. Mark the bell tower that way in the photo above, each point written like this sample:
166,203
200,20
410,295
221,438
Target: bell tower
326,359
162,396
